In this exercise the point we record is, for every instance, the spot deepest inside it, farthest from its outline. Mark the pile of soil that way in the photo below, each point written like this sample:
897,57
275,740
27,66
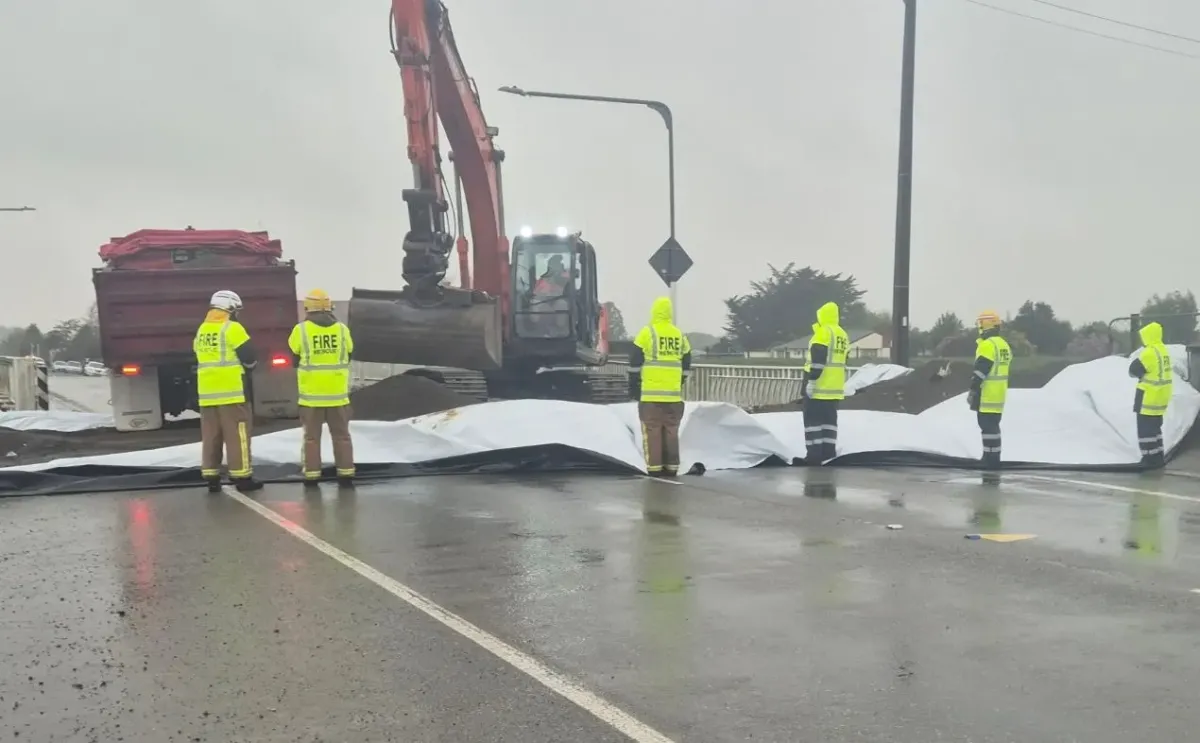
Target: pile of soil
405,396
926,386
28,447
391,399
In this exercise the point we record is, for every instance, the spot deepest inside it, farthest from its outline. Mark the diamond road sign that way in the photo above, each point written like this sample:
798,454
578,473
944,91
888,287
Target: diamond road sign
670,261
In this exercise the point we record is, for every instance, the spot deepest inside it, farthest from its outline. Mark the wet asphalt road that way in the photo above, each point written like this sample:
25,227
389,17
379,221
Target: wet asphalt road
750,606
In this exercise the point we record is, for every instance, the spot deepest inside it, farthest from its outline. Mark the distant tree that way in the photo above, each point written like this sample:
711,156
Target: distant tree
1092,341
60,336
878,321
1176,312
783,307
1047,333
918,342
702,341
23,342
616,323
85,344
946,326
725,345
963,345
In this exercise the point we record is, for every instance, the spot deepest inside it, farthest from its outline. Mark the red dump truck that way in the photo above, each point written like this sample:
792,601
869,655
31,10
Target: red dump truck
151,295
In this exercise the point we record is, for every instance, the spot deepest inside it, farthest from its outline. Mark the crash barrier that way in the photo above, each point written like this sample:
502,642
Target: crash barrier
19,384
738,384
43,386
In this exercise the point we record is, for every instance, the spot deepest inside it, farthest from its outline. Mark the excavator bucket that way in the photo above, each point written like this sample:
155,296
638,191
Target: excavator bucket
456,328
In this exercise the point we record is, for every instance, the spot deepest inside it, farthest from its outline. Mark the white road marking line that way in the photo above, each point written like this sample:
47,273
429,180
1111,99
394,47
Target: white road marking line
666,480
1113,487
556,682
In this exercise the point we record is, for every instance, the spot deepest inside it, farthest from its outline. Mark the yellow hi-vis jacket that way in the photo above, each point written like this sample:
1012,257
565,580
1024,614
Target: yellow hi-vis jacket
323,373
218,370
994,389
664,347
1155,384
831,385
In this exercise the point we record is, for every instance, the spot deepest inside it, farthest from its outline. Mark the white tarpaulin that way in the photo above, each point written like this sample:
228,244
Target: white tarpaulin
869,374
61,421
1083,417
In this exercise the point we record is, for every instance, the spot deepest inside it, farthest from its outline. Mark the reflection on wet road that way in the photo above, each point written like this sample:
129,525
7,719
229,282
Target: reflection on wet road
773,605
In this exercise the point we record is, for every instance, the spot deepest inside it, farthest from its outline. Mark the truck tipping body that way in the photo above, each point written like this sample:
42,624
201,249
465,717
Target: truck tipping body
151,295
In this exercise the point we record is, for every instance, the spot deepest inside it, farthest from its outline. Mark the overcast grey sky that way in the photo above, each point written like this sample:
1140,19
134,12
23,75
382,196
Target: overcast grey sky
1049,165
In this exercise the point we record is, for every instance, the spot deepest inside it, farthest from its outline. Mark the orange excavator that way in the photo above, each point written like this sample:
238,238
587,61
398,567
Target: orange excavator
530,319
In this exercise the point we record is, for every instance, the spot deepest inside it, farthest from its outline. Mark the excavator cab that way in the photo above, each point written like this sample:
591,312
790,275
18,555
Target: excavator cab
556,314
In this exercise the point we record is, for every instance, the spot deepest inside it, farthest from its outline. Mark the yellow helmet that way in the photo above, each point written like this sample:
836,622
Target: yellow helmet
318,300
987,320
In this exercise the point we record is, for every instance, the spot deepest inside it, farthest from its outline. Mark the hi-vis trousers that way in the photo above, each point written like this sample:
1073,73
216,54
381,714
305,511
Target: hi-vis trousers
660,435
338,420
228,427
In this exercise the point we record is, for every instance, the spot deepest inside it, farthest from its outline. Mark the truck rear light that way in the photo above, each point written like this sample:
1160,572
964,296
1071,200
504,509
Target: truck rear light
280,361
131,370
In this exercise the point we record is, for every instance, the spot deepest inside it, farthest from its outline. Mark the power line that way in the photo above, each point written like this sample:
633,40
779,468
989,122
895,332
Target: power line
1126,24
1076,29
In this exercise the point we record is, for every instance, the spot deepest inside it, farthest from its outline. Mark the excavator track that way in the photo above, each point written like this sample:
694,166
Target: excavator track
573,385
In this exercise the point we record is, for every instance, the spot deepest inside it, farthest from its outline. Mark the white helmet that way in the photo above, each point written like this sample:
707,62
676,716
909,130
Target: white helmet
226,300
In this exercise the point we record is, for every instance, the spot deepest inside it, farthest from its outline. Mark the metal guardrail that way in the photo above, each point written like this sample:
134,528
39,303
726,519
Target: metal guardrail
739,384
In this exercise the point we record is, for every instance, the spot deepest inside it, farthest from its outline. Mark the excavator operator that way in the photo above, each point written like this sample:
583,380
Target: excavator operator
553,283
549,299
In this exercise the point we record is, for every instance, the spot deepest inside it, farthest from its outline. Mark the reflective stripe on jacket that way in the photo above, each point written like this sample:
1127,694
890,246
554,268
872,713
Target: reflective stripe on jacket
831,384
323,373
994,389
1157,382
663,346
218,371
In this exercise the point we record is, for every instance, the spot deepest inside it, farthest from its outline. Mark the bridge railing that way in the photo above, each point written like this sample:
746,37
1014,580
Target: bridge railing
740,384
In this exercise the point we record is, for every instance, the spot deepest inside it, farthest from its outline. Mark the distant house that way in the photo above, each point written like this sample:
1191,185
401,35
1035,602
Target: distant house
864,344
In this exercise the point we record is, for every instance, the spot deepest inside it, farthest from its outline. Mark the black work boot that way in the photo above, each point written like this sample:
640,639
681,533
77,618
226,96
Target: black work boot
345,481
213,483
247,484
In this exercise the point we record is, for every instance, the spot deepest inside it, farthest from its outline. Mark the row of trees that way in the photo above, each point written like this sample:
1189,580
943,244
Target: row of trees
76,339
782,307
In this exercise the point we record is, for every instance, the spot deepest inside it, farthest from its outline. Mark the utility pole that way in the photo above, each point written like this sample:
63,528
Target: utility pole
903,250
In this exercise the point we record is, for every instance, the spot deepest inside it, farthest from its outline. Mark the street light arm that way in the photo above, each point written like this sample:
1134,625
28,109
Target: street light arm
18,209
661,108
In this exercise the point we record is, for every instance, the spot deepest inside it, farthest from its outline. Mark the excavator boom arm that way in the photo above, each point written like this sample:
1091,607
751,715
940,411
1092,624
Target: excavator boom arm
428,322
438,88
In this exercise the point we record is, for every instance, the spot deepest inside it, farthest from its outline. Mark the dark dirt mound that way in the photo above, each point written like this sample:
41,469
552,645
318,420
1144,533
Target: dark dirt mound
405,396
392,399
928,385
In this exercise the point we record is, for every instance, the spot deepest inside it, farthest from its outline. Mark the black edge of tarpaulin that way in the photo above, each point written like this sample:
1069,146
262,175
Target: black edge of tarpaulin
941,461
100,478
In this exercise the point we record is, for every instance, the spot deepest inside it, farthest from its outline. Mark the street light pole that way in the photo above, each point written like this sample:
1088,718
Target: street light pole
659,107
900,281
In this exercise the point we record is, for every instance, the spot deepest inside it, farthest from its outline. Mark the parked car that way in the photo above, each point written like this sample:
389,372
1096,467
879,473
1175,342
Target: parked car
59,367
95,369
72,367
